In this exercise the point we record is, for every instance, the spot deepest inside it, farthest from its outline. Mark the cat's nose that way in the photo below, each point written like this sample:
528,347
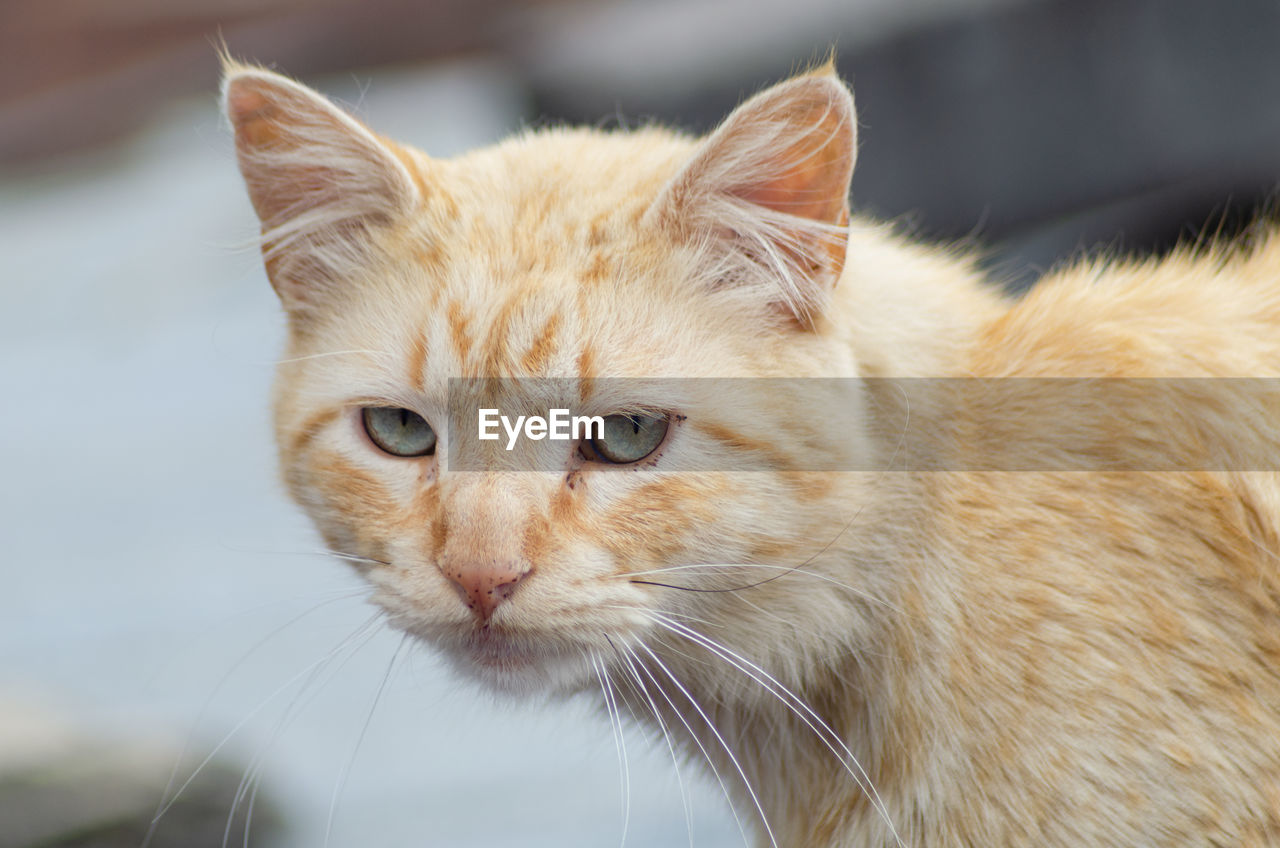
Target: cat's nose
484,585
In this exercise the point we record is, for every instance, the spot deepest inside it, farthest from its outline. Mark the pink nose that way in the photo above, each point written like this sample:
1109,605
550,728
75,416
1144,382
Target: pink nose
486,584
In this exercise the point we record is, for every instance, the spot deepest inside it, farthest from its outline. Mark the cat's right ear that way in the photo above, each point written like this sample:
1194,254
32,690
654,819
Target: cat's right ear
318,180
764,199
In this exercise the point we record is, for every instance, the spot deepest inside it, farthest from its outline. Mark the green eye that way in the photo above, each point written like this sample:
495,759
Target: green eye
399,432
627,438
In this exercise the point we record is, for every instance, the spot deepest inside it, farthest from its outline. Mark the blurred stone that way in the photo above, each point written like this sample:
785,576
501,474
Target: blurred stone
61,788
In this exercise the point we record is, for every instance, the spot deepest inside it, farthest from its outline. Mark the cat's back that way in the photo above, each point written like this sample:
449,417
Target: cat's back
1119,603
1196,313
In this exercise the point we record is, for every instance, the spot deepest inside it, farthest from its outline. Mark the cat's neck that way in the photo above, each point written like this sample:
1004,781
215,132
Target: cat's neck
910,310
843,700
846,647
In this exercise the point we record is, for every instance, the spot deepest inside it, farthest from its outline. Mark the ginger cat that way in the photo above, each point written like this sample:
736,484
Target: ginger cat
1083,653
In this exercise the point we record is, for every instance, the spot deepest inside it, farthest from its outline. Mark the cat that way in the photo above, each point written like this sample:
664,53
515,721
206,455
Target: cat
1026,643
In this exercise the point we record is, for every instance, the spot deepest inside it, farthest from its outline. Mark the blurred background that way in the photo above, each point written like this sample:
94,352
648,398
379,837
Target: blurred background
161,602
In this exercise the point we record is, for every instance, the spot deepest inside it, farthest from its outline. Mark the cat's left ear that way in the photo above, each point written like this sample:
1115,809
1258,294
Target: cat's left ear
766,195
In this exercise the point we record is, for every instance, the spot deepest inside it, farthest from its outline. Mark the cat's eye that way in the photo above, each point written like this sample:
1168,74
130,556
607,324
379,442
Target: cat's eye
398,431
626,438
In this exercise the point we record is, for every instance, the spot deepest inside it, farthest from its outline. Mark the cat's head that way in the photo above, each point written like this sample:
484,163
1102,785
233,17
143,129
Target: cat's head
577,262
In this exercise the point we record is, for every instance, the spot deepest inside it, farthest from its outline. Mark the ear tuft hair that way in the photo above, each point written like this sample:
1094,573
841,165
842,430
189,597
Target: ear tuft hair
316,176
767,193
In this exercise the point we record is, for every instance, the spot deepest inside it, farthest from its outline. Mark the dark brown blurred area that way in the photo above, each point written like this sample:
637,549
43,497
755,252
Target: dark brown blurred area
78,72
1041,127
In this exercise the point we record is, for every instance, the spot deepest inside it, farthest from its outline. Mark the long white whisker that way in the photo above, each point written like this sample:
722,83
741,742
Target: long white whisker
254,784
261,706
165,800
628,657
249,782
741,598
681,615
353,558
613,725
797,705
331,353
767,567
696,741
620,745
723,744
615,716
355,749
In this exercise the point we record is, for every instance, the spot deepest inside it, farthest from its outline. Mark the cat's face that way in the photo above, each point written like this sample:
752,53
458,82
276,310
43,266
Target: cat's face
583,266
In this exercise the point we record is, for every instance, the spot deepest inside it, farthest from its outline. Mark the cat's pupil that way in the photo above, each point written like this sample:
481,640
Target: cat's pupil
398,431
627,438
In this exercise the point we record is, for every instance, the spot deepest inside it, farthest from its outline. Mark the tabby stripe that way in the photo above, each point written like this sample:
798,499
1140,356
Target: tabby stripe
310,428
418,360
739,442
459,326
537,357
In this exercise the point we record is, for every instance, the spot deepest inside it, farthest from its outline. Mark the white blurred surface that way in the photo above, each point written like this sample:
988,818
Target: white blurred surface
147,547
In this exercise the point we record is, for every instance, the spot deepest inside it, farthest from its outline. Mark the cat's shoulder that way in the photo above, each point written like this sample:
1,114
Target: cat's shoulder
1198,312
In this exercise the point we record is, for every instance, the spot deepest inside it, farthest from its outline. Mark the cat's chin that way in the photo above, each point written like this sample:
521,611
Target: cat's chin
507,660
521,674
520,671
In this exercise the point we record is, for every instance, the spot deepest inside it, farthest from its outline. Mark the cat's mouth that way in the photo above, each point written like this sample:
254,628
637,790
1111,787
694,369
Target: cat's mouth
503,657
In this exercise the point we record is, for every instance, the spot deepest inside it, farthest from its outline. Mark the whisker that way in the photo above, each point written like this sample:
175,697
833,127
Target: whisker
755,799
330,353
247,790
346,768
797,706
304,697
786,569
165,800
791,624
325,552
626,761
261,706
615,725
625,653
706,755
353,557
682,615
292,711
766,613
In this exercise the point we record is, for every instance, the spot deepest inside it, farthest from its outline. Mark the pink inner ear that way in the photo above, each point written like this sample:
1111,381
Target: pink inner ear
251,114
275,123
809,177
783,161
805,193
